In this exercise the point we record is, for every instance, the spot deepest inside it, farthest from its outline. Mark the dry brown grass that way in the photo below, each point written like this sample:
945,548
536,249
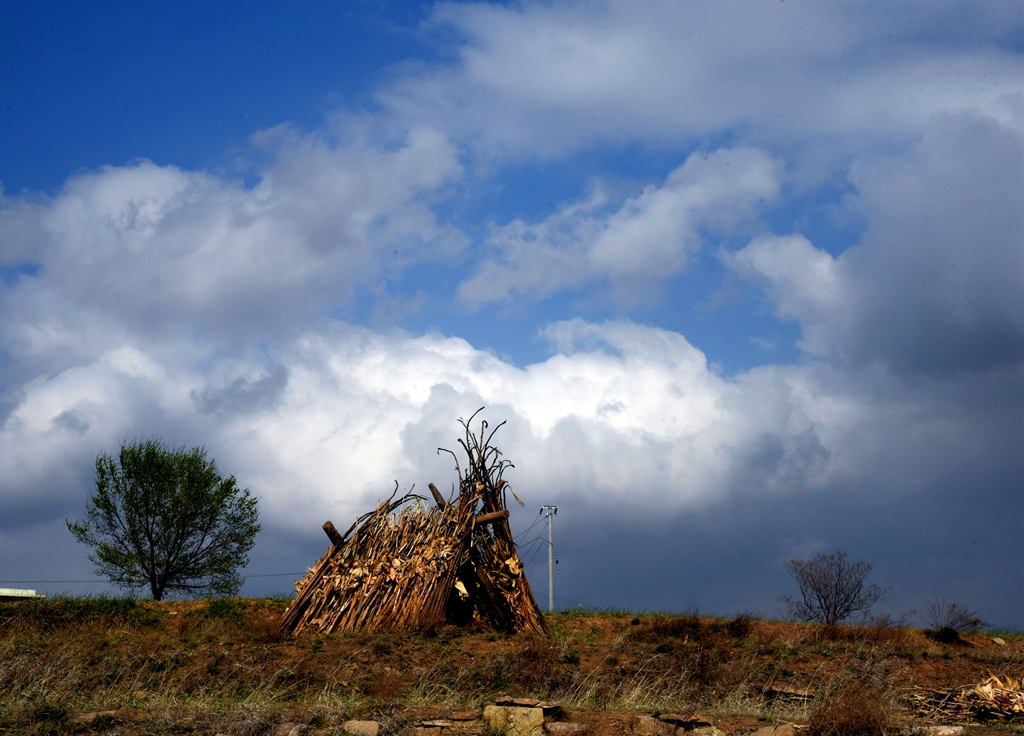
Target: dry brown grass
204,667
856,705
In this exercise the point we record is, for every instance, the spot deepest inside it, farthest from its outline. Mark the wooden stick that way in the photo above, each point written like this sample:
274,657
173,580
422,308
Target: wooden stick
488,518
441,503
336,539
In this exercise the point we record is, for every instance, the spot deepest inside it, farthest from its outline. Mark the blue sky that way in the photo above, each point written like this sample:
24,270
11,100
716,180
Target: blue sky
745,281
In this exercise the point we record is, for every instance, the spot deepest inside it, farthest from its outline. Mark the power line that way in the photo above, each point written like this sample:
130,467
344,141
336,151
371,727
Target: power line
536,540
534,555
527,530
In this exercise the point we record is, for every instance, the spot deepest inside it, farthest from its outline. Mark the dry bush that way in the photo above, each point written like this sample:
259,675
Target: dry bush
853,707
947,620
741,624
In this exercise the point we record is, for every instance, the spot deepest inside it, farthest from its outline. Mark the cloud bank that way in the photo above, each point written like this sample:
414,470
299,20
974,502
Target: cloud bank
279,320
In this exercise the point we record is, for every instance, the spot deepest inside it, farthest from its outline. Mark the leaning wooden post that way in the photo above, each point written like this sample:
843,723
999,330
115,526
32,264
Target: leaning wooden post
441,503
491,517
332,534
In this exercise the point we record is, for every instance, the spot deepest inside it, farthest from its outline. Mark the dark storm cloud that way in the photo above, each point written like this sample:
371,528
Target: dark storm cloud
241,396
71,420
728,558
30,511
940,271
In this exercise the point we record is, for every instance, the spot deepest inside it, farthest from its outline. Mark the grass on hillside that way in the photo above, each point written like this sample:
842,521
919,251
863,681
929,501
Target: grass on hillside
117,665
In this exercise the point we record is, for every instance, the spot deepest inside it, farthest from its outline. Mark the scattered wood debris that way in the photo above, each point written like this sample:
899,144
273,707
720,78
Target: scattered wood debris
995,698
411,565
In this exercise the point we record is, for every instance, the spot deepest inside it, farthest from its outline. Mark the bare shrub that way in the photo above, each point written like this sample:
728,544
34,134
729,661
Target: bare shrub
831,589
939,615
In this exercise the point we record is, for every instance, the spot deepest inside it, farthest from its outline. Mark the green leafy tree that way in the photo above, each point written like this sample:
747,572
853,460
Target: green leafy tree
831,589
165,519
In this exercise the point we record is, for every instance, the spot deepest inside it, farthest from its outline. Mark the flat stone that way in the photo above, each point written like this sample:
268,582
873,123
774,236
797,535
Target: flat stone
465,715
361,728
565,727
644,725
700,731
515,721
998,642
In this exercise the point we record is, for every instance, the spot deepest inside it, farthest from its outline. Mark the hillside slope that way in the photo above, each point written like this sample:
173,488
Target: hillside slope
223,666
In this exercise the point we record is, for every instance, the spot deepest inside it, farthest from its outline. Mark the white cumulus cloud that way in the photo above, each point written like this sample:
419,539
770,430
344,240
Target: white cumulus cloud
634,245
551,78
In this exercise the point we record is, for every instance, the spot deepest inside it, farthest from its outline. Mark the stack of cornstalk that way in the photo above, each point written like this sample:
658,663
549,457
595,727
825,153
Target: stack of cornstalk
994,698
407,565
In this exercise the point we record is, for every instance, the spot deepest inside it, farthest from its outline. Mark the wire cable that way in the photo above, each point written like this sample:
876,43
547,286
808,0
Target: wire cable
527,530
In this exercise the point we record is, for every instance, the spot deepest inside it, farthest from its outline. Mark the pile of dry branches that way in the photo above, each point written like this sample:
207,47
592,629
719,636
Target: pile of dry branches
994,698
408,565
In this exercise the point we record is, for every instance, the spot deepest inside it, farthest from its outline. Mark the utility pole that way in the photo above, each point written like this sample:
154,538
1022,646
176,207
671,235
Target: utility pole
551,511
